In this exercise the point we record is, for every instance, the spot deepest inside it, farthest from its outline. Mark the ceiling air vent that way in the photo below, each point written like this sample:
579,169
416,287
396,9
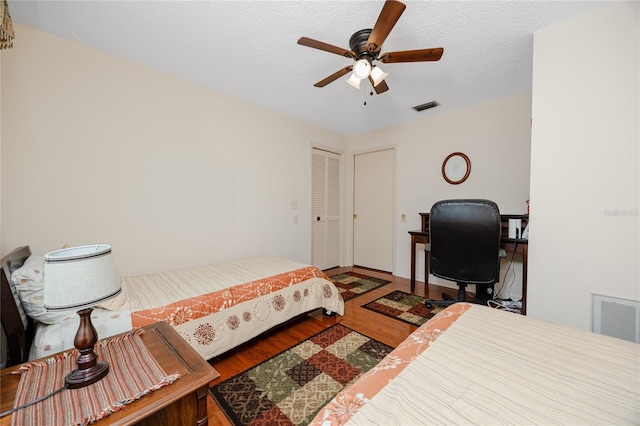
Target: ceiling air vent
428,105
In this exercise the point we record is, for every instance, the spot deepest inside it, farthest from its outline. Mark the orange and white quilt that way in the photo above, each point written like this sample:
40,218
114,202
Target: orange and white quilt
214,307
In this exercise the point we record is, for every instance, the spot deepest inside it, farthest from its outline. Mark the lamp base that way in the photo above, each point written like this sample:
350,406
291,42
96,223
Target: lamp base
89,370
81,378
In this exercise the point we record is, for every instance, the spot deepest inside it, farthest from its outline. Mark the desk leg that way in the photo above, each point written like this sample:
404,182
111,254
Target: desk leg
525,266
413,263
426,274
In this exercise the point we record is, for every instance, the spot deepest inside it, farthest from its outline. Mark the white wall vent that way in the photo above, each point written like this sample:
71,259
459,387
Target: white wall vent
616,317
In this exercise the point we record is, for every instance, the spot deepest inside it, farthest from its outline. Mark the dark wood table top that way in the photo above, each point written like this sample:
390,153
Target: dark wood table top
173,354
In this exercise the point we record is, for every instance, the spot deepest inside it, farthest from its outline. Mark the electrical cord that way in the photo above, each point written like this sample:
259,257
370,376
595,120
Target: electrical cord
28,404
512,307
507,304
513,278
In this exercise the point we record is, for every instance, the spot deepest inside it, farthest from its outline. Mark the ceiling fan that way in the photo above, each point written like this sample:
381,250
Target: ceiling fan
366,47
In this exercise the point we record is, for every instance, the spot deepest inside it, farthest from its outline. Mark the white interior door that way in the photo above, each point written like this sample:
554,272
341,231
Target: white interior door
373,210
325,209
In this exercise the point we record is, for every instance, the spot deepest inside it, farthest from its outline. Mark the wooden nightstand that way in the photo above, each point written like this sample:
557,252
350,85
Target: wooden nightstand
182,403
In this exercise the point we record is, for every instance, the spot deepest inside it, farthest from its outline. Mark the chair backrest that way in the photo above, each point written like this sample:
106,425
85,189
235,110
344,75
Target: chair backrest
465,241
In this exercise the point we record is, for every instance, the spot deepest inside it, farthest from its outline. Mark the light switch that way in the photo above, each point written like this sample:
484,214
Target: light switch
295,219
403,218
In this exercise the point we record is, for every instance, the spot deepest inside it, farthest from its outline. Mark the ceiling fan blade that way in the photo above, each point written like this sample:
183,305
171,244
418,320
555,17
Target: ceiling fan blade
336,75
306,41
380,88
419,55
389,15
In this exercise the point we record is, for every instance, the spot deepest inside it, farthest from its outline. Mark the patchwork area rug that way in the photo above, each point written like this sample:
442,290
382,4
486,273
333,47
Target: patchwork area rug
404,306
351,284
291,387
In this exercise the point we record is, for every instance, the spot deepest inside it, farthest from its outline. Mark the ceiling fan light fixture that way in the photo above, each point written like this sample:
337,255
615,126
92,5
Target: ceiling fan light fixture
354,80
362,68
377,75
365,47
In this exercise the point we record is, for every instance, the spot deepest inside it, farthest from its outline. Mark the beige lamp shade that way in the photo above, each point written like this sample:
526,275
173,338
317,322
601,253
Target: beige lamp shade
354,81
79,277
362,68
377,75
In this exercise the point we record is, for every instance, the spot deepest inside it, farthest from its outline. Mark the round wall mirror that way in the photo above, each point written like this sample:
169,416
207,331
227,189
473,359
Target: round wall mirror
456,168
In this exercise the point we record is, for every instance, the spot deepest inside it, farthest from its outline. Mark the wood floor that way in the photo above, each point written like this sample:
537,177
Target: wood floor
367,322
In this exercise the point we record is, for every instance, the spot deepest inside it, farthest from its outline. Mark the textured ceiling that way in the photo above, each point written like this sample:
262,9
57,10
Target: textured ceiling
248,49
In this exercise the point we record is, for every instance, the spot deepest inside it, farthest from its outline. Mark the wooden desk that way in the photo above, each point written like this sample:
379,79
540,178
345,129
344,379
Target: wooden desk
182,403
418,237
421,236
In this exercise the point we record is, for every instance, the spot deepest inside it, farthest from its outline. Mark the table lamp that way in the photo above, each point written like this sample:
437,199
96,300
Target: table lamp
78,278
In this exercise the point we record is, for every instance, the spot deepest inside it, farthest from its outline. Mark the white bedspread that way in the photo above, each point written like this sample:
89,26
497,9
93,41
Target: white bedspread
493,368
159,289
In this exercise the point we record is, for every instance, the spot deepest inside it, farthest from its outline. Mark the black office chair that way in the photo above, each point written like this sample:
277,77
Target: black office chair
465,247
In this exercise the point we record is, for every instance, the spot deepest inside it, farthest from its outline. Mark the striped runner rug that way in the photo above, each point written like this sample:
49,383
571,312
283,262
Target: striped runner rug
133,374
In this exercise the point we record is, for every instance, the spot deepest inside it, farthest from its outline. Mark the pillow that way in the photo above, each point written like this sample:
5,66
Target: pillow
29,283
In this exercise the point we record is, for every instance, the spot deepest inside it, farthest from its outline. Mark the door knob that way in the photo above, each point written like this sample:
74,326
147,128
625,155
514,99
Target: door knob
318,218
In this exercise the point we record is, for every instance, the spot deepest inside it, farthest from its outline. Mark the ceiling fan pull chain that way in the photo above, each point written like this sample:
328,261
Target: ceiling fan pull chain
365,97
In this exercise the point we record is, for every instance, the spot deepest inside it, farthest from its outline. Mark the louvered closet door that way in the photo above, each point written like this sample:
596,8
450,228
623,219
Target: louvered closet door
325,210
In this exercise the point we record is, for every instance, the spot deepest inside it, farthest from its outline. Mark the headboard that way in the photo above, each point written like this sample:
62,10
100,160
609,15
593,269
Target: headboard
19,336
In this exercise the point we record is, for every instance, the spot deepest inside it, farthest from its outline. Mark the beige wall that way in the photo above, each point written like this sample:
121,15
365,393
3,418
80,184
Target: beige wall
584,233
496,138
96,149
92,157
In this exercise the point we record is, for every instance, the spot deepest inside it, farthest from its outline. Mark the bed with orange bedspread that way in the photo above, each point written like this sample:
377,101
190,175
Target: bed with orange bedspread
471,364
213,307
